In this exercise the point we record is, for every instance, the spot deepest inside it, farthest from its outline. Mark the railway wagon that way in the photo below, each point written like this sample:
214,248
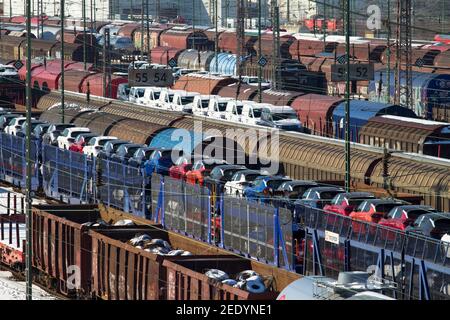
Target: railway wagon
306,157
162,55
194,59
95,241
411,135
361,112
122,271
316,112
431,93
61,241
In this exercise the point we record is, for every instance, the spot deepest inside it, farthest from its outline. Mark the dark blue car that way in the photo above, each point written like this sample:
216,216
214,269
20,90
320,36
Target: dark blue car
161,160
262,189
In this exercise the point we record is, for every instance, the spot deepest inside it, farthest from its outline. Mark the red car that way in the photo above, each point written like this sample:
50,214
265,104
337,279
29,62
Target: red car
80,141
372,211
201,169
346,203
403,216
181,167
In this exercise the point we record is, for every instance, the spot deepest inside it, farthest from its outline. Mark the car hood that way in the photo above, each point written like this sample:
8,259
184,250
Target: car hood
287,122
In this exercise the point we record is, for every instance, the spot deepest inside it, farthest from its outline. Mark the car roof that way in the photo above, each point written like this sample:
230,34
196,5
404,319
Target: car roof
230,166
355,195
325,189
279,109
437,215
78,128
269,178
118,141
415,207
248,171
301,183
132,145
384,201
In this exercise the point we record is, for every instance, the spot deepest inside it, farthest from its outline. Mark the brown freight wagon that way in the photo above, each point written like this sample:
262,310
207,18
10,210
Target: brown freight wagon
11,47
363,51
186,279
203,84
184,39
227,42
162,55
61,243
410,135
315,112
123,272
39,48
304,48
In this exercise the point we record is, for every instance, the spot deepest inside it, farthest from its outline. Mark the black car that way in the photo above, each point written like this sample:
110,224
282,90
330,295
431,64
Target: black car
316,197
110,148
290,191
54,131
222,174
433,225
140,156
125,152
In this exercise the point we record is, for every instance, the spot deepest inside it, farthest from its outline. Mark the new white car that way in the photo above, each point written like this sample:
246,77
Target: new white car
150,97
251,112
96,145
217,108
136,93
234,110
68,136
200,105
15,125
184,101
239,181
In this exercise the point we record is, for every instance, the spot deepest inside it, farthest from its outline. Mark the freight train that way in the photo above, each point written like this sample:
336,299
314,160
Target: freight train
295,150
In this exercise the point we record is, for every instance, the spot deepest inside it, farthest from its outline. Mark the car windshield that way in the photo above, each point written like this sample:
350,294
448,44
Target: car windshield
328,195
259,182
216,174
102,142
386,207
253,80
187,100
257,113
228,174
205,104
443,225
117,146
300,189
222,106
61,127
251,177
284,116
275,184
132,150
357,202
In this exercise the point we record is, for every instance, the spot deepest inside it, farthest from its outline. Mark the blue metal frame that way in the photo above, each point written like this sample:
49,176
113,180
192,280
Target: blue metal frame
317,257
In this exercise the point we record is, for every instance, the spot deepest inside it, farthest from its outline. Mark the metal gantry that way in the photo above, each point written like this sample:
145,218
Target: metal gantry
403,73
